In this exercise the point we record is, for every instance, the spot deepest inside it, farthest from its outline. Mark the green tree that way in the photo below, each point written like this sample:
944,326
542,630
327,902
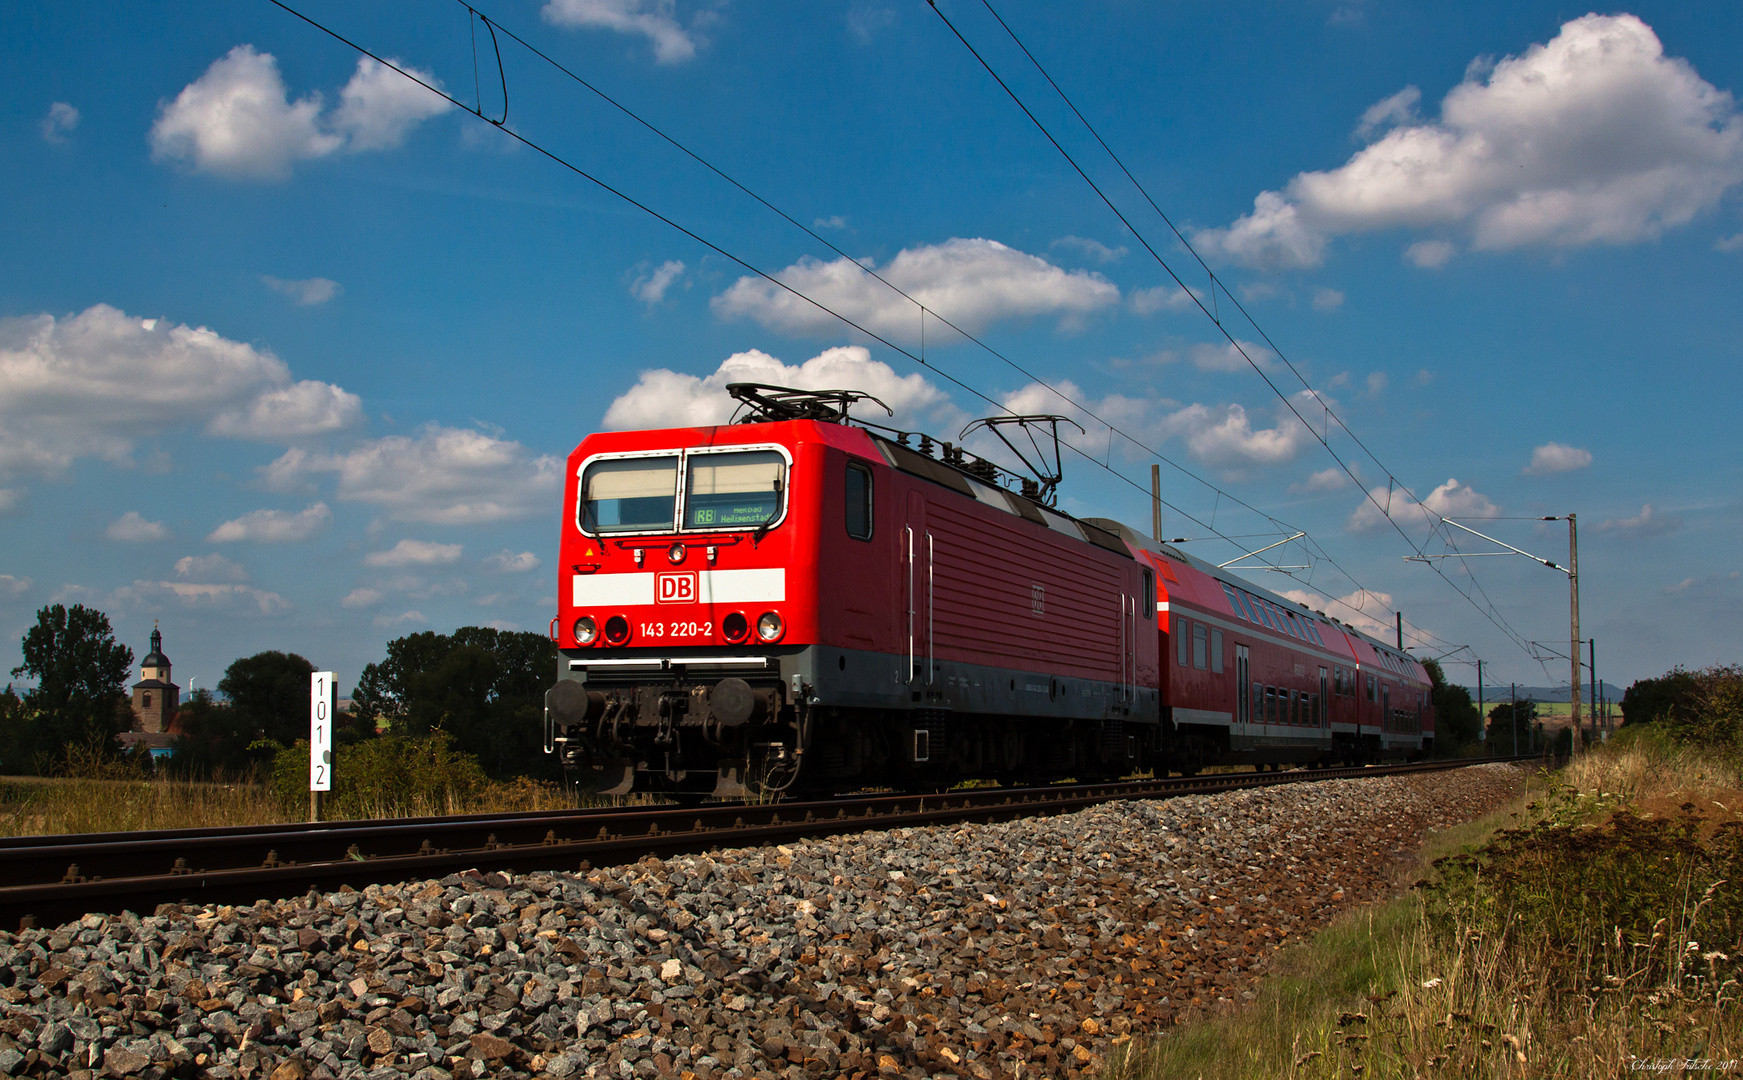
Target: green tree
80,697
1457,720
1670,697
212,738
269,695
483,687
1505,719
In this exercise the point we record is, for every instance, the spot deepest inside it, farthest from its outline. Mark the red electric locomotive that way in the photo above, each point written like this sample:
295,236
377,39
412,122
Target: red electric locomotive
798,603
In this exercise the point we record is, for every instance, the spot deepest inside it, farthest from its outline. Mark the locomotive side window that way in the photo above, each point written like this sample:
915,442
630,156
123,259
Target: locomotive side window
1149,594
1181,636
859,502
1216,651
1198,656
733,491
630,495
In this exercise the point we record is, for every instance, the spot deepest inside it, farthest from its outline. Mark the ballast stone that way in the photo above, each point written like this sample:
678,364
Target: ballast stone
973,950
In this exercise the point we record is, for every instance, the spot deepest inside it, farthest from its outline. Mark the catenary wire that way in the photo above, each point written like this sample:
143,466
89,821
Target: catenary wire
1492,615
558,159
1323,555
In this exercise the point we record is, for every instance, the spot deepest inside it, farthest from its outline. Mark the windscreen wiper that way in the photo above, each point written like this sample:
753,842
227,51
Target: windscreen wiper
762,530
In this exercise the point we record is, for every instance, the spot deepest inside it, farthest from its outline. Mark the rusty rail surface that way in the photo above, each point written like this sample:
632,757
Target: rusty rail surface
58,878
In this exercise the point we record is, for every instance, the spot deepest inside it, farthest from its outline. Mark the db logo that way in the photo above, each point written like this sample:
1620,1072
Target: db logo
678,588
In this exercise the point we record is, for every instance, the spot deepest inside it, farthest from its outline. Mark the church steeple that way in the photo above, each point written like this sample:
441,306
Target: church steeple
155,697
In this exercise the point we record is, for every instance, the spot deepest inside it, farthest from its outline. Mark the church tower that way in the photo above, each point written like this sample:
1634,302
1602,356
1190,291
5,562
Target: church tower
155,697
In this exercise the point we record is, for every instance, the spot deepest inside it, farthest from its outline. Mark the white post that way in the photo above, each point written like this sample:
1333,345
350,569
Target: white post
320,739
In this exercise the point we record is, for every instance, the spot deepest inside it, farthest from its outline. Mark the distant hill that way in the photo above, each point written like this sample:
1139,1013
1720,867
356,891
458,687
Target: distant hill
1495,694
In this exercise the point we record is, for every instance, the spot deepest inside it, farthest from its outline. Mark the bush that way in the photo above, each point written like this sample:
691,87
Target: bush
1716,721
1611,905
389,776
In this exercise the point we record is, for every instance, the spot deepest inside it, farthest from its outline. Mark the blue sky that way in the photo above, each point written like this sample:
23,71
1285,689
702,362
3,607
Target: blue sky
291,351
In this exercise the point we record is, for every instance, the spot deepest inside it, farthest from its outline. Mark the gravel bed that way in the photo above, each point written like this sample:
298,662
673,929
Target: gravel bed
1018,949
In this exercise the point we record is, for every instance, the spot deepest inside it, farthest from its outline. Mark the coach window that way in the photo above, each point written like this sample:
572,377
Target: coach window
1270,704
629,495
1149,593
1234,598
1216,651
1257,713
859,502
1198,657
1182,636
1370,688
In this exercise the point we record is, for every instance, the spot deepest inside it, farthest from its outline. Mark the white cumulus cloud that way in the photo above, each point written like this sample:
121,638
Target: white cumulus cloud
1231,356
1364,609
650,287
414,553
60,122
305,408
307,292
132,528
507,561
11,587
1553,458
1594,137
200,596
441,475
1645,523
361,597
89,385
1327,299
402,619
1161,298
1092,249
1430,254
273,526
971,282
663,398
237,119
656,20
210,568
1451,499
1332,479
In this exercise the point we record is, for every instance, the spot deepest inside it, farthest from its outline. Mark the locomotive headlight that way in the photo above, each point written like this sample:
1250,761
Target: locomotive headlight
676,553
616,630
586,630
770,627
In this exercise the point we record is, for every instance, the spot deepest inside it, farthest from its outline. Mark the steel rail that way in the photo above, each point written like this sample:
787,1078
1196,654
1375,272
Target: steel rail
57,878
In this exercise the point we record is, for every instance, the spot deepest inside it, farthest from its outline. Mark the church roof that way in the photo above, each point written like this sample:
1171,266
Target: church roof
155,684
155,658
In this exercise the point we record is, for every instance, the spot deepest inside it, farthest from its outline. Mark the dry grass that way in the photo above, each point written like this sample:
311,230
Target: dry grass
42,806
1592,933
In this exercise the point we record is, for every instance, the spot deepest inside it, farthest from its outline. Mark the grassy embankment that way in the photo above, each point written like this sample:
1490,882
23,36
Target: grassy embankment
384,778
1594,925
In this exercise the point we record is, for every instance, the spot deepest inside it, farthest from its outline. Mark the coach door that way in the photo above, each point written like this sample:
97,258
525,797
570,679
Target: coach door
917,554
1243,710
1321,704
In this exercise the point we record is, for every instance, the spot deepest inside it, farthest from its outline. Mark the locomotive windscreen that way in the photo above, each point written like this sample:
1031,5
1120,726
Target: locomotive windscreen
630,495
733,490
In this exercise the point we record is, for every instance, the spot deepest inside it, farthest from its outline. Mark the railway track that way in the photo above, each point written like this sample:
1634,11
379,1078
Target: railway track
52,879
